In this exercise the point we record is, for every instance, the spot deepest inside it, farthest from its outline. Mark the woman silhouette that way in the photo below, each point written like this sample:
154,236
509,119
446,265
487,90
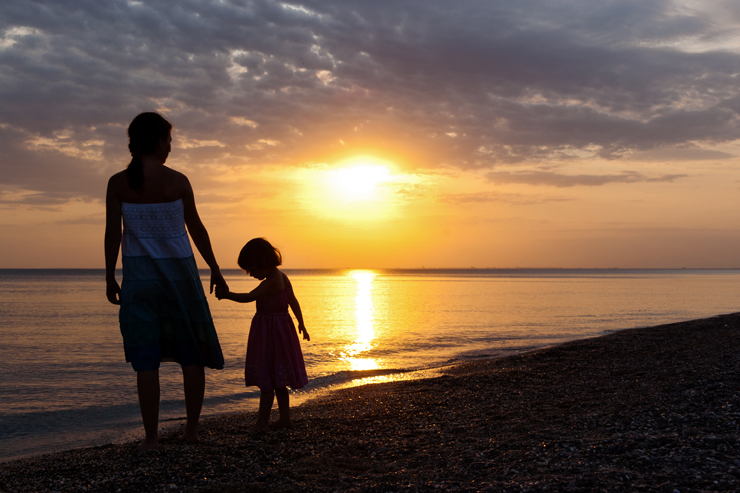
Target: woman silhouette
164,314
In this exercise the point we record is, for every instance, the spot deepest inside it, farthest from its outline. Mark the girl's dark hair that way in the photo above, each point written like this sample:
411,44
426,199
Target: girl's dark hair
144,133
259,254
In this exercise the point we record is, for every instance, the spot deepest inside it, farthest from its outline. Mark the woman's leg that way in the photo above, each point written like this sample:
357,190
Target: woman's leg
194,381
263,416
283,399
147,383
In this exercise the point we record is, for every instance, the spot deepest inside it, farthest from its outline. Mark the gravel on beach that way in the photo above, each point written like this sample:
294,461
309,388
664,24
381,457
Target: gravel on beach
650,409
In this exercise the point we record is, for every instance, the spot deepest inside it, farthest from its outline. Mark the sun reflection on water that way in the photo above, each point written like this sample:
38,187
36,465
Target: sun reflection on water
365,321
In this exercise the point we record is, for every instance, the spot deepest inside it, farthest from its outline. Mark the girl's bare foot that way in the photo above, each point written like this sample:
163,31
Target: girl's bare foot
190,438
281,423
149,444
259,426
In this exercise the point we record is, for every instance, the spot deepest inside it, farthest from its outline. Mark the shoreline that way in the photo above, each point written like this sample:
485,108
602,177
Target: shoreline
645,409
56,441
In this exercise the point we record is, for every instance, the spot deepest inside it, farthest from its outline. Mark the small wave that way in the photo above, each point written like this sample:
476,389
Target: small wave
349,375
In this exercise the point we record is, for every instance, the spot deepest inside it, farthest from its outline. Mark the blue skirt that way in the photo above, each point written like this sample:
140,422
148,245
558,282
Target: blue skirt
164,314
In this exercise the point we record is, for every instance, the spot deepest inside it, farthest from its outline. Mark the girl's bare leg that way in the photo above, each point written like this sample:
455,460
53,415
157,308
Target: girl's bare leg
147,383
263,417
283,399
194,381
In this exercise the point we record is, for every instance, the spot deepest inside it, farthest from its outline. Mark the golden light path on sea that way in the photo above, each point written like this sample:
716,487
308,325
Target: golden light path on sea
364,319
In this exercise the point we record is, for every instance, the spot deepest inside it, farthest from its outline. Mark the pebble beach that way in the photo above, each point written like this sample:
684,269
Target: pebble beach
648,409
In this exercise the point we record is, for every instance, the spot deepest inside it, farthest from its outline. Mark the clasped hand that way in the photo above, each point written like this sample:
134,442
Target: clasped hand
222,292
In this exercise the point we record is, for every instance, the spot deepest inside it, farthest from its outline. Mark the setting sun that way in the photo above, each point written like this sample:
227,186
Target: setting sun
359,181
362,189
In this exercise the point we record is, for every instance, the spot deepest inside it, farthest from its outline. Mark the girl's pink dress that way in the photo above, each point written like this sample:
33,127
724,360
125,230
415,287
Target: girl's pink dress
274,357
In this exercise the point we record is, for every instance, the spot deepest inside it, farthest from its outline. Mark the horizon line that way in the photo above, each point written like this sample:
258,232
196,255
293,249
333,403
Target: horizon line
422,268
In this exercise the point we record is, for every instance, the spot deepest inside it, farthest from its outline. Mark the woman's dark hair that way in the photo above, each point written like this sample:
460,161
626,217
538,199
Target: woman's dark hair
259,254
144,133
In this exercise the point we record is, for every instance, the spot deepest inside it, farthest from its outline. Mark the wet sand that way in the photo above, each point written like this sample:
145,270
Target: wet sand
650,409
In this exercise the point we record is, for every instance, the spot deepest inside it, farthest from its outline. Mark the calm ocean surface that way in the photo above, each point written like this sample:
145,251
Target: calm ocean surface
65,383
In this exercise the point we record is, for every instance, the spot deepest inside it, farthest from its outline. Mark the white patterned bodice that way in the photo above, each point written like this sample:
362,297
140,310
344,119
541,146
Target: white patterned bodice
156,230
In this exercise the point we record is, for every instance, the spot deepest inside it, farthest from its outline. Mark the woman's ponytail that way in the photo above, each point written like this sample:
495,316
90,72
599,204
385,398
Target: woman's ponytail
135,173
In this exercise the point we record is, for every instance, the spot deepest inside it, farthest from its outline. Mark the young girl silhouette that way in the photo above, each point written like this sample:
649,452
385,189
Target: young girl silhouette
274,359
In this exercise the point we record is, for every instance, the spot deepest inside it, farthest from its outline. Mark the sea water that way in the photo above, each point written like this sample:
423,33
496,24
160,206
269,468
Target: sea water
65,383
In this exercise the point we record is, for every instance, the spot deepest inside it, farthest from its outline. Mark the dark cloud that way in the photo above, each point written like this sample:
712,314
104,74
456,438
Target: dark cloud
680,154
467,84
60,166
559,180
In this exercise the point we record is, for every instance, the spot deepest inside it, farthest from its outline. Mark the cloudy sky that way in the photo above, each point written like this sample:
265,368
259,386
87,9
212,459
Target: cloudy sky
496,133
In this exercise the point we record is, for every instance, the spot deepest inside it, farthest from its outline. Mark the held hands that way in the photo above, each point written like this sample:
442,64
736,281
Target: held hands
222,292
302,330
217,279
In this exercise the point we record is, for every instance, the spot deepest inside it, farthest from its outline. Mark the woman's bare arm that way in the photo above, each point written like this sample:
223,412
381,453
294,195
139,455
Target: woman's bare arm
200,237
112,240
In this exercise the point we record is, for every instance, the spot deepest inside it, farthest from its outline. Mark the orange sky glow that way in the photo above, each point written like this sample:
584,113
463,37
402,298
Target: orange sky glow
439,142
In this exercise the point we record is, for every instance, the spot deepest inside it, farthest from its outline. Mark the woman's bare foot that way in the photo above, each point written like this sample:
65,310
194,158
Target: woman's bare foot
281,423
149,444
190,434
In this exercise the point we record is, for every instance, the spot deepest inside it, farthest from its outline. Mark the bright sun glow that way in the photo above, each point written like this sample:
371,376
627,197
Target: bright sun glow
360,190
361,181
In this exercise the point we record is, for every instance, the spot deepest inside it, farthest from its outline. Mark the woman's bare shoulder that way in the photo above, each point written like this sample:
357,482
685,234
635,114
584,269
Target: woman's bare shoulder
177,177
118,177
173,173
117,182
174,184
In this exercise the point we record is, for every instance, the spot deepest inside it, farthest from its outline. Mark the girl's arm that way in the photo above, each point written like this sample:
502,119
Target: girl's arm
200,237
264,289
296,307
112,242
